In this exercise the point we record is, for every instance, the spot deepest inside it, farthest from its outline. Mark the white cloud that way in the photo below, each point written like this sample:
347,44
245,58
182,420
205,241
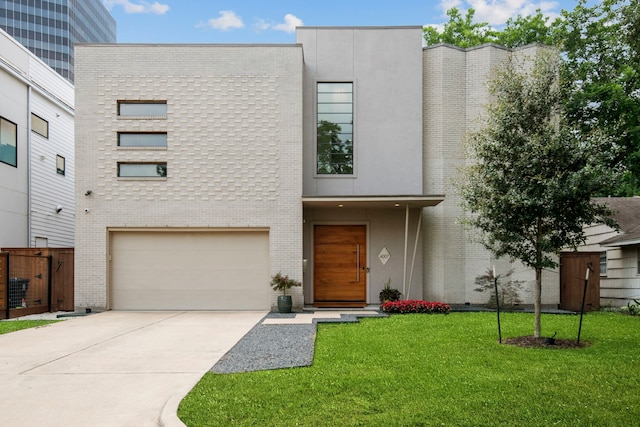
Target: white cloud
140,6
228,19
497,12
288,26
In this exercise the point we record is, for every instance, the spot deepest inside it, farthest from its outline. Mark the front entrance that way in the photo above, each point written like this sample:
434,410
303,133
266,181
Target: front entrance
340,265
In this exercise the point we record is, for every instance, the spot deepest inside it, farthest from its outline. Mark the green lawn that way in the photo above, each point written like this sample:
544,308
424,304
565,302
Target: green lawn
16,325
426,370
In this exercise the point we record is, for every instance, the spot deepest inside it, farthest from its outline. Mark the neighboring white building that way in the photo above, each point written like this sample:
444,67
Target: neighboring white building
619,252
36,151
204,169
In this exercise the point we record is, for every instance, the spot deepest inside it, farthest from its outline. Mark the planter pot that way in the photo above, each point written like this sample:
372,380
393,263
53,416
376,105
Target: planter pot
284,303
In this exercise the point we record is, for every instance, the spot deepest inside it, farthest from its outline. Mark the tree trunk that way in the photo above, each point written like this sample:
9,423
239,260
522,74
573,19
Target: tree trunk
537,303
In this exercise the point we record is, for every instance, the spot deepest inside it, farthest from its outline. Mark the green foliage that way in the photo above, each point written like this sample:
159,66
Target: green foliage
460,31
529,192
632,309
415,306
417,370
508,291
388,293
7,326
282,283
602,69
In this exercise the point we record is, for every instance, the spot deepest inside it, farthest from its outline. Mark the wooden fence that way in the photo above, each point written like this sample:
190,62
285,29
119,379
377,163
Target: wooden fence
36,280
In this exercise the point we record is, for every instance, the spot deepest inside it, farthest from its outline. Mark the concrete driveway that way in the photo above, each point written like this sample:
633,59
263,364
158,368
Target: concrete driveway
114,368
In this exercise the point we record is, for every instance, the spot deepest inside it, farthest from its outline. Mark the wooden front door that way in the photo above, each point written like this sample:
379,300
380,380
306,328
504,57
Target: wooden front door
573,269
340,265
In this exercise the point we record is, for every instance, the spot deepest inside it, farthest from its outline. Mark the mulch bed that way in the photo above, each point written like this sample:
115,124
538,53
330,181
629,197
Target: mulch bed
532,342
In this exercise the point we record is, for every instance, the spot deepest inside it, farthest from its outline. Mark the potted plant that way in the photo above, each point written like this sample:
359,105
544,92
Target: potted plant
282,283
388,293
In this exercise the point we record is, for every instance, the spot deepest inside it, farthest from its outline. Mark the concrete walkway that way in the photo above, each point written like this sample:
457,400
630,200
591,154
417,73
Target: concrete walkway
113,368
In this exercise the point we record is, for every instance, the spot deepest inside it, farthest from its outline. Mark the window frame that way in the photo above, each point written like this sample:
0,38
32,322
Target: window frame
347,143
166,140
603,263
141,102
46,123
15,142
157,164
61,171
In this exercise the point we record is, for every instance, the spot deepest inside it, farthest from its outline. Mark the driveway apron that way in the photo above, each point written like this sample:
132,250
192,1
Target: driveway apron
114,368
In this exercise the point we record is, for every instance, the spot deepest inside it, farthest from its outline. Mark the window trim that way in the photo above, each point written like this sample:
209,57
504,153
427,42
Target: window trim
61,171
137,177
34,115
15,147
603,263
146,116
316,173
156,147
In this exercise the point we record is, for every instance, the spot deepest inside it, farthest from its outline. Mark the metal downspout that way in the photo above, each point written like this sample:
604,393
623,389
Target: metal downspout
29,216
406,243
415,250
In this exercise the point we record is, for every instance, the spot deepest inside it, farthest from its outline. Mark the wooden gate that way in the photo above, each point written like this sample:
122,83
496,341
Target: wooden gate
573,268
43,277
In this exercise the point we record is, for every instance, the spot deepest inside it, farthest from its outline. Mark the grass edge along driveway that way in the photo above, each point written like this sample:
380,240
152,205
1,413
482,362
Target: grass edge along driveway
425,370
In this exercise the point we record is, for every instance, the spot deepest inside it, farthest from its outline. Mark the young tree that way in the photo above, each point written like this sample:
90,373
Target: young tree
460,31
529,191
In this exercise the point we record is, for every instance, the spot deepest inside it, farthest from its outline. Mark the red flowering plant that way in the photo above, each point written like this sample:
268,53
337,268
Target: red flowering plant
415,306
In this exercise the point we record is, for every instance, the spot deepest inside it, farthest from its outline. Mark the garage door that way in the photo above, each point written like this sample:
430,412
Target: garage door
189,270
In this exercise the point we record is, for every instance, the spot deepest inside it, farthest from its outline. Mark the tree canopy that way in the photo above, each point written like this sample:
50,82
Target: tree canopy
529,191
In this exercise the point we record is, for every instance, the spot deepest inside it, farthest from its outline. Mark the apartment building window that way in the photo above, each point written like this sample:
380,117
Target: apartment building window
8,142
142,170
335,129
144,139
603,263
60,165
142,108
39,125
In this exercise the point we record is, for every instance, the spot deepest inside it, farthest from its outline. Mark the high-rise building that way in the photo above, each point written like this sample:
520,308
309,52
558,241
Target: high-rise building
50,28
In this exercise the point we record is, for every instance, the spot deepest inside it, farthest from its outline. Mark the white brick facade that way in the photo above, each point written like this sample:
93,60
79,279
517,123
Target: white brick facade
234,126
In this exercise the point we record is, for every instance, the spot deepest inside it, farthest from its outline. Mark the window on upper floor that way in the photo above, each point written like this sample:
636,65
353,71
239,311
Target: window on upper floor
142,108
142,139
8,142
39,125
603,263
142,170
334,149
60,164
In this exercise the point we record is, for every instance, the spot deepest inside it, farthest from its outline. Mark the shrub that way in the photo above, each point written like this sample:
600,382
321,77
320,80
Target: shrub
415,306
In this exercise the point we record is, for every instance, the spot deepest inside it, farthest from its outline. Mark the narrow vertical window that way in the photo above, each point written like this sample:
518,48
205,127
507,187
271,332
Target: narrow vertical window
60,165
8,142
603,263
335,129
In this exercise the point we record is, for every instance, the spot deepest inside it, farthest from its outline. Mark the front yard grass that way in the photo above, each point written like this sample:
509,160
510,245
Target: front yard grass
432,370
16,325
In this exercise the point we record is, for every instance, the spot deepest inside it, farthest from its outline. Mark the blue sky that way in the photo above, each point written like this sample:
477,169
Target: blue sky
274,21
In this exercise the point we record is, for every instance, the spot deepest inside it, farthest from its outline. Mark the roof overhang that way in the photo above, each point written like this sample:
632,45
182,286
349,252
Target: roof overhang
372,202
614,242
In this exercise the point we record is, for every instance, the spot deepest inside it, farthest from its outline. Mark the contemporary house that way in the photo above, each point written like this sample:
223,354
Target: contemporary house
50,29
202,170
36,151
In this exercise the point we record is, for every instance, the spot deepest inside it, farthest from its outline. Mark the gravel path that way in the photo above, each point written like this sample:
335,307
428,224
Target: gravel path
276,346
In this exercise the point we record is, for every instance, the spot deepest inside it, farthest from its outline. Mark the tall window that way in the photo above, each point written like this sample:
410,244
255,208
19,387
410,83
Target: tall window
39,125
603,263
60,165
8,142
335,129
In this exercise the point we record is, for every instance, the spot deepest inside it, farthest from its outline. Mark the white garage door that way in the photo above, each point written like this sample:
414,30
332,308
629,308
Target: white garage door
189,270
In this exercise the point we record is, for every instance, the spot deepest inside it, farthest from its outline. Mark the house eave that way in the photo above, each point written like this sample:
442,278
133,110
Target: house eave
378,202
